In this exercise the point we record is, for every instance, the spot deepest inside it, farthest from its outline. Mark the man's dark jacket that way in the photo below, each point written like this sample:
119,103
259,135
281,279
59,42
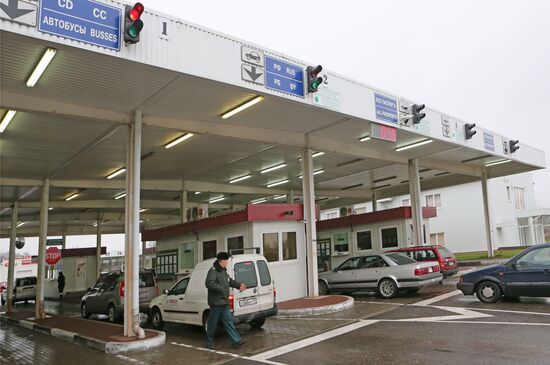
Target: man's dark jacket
218,282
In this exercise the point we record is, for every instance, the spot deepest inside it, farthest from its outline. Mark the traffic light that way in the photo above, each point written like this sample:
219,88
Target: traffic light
132,23
469,130
313,79
415,112
513,145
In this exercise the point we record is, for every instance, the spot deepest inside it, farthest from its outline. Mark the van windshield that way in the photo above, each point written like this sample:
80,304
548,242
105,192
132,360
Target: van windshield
245,272
146,279
444,252
25,281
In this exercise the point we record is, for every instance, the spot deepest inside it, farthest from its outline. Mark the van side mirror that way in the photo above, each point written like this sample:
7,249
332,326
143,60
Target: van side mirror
166,291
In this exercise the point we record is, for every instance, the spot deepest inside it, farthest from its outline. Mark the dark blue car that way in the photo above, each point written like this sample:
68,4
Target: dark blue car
526,274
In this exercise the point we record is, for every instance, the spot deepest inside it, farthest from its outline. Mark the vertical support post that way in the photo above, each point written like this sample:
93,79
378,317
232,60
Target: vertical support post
416,206
309,215
290,197
39,309
98,248
143,258
63,240
11,257
184,205
486,213
533,233
374,201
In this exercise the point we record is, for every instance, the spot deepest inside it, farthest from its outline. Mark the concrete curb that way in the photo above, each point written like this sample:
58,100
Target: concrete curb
318,310
107,347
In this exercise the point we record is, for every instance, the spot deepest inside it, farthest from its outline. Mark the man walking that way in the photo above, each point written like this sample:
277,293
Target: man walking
60,284
218,282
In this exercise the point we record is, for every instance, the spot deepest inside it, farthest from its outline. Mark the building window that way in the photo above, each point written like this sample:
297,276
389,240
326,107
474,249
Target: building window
508,194
167,262
406,203
235,245
341,244
433,200
364,240
360,210
271,246
209,249
332,215
289,246
389,237
437,239
519,197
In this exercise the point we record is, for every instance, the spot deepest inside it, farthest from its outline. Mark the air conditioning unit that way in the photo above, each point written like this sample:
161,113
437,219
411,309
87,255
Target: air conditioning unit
196,213
345,211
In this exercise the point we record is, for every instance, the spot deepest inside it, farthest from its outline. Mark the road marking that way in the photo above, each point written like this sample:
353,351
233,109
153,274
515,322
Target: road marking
237,356
131,359
311,340
438,298
510,311
461,313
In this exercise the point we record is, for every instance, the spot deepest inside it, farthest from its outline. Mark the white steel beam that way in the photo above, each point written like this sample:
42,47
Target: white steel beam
98,249
11,258
310,227
39,310
487,216
416,206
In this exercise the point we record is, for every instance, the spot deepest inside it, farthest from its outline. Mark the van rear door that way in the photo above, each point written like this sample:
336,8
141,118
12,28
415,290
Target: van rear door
246,301
266,288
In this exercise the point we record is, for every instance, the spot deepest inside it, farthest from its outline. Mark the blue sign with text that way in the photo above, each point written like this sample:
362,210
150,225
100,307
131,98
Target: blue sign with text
82,20
386,108
283,76
488,142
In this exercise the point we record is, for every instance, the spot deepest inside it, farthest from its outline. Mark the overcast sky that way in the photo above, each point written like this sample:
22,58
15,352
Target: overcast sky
486,62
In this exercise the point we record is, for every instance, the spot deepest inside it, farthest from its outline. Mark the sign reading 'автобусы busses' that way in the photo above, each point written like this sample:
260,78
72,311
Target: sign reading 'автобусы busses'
82,20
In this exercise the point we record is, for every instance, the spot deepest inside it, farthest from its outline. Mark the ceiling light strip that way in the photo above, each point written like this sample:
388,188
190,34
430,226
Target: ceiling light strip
364,139
6,120
273,168
41,67
240,179
242,107
116,173
413,145
120,196
497,162
72,197
215,200
277,183
277,197
178,140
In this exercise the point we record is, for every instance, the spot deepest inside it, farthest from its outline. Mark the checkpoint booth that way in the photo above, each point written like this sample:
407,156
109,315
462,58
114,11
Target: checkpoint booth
362,234
277,230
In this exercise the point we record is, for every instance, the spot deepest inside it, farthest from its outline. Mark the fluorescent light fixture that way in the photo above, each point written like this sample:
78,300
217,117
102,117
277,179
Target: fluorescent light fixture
240,179
258,201
72,197
117,172
273,168
6,120
242,107
50,208
314,173
277,183
364,139
317,154
142,210
497,162
413,145
95,224
215,200
197,193
178,140
120,196
277,197
384,200
39,69
19,224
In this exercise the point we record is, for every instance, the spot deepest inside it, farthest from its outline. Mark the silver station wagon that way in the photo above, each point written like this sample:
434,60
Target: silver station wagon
386,274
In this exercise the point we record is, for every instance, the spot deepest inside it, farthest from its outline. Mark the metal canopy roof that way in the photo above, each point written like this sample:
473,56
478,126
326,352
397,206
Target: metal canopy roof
71,127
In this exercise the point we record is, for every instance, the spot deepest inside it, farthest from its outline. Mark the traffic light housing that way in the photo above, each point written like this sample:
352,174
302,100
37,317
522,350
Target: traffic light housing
313,79
514,145
133,23
415,112
469,130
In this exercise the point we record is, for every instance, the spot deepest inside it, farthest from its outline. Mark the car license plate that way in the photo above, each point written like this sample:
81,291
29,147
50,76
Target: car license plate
451,263
430,269
247,302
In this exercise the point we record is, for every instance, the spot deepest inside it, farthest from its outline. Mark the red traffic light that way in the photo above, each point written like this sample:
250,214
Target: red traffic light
314,71
136,11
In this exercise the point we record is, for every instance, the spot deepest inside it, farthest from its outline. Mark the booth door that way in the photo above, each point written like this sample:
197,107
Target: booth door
187,256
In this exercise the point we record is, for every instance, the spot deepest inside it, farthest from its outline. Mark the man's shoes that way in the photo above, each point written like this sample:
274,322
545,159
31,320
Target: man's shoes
235,345
210,347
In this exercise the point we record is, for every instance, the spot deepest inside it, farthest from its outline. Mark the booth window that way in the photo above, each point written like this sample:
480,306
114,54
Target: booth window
341,244
209,249
167,262
271,246
364,240
389,237
289,246
235,245
433,200
187,255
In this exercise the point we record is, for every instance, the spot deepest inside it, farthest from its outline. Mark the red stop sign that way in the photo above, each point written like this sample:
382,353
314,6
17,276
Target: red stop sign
53,255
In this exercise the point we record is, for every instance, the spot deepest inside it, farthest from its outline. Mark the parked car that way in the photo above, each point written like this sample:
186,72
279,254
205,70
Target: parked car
436,254
385,273
526,274
107,295
24,290
186,301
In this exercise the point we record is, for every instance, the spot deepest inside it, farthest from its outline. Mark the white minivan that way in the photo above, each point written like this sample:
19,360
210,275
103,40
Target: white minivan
186,301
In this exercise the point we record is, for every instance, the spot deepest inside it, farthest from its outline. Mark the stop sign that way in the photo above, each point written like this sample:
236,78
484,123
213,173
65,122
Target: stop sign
53,255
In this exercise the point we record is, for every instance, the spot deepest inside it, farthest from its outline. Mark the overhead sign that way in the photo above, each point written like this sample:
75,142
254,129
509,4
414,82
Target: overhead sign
327,98
386,108
54,242
488,142
384,132
252,56
253,74
285,77
18,11
53,255
82,20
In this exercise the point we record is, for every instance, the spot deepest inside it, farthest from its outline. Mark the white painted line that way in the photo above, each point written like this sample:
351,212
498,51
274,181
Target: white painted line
505,323
438,298
462,313
510,311
382,303
316,319
311,340
132,360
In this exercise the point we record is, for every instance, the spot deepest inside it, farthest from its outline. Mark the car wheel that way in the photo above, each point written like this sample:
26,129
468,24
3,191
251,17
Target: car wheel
488,292
323,288
387,288
84,311
257,323
156,318
111,313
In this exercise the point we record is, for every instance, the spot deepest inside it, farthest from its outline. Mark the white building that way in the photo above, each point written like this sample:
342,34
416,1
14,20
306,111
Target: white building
515,218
